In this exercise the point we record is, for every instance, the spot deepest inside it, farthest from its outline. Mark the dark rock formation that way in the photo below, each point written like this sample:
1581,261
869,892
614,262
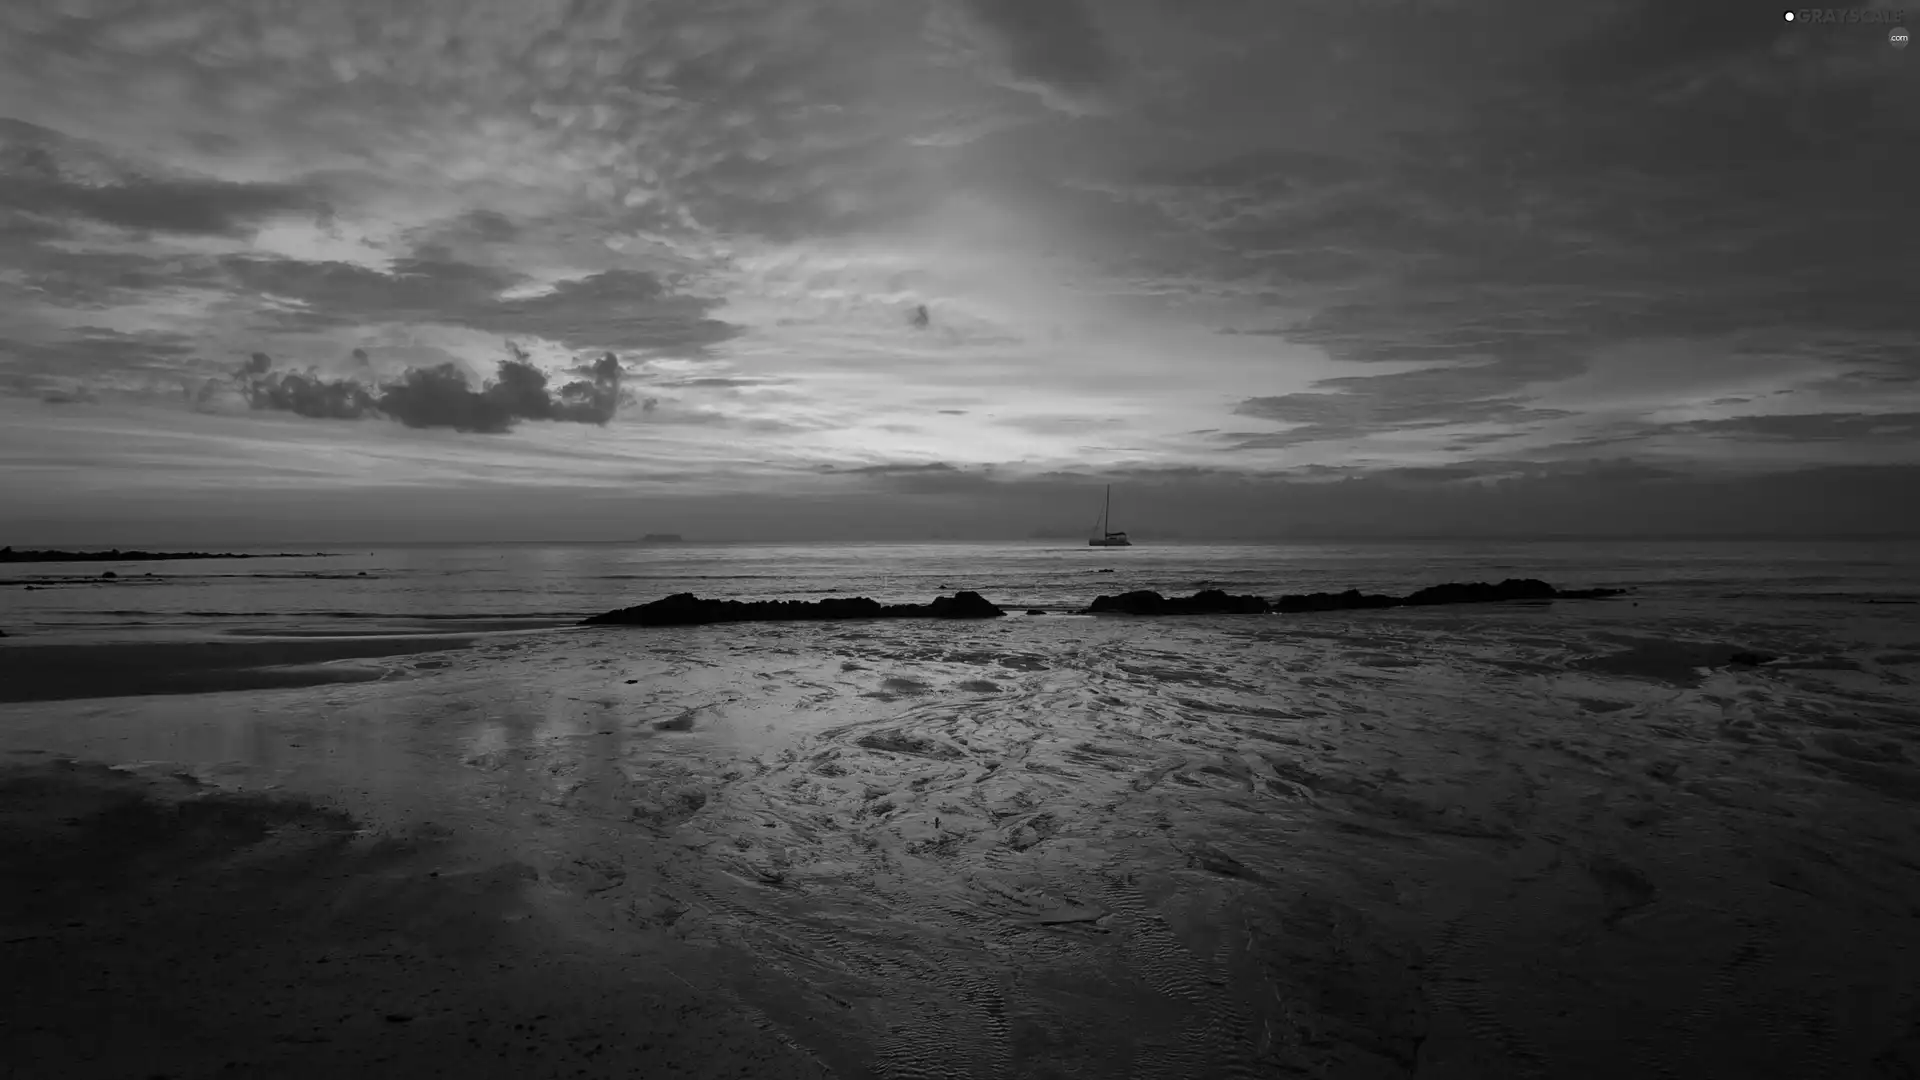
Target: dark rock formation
108,574
1036,611
1352,599
1209,602
686,609
1477,592
1750,659
8,555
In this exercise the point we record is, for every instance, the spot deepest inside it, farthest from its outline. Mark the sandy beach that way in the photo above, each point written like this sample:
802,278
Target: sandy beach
1562,840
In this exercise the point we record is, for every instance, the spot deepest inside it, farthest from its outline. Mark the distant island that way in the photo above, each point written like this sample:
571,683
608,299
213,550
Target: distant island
663,538
8,555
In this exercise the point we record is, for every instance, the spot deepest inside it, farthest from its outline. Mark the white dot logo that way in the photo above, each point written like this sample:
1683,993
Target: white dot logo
1789,16
1898,37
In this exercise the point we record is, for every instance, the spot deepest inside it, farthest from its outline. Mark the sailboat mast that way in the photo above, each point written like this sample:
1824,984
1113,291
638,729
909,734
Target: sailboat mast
1106,516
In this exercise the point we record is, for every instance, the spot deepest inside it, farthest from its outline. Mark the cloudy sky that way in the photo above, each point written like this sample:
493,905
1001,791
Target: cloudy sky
369,269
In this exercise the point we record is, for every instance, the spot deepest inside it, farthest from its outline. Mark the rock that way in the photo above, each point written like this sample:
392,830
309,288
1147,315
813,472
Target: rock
1343,601
109,574
1750,659
1207,602
1589,594
1036,611
962,605
1476,592
686,609
1479,592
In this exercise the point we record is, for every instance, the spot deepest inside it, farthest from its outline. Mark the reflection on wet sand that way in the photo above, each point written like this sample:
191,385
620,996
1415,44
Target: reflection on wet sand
1463,844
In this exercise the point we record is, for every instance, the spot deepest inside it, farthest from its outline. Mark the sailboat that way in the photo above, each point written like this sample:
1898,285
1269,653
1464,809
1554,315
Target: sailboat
1107,537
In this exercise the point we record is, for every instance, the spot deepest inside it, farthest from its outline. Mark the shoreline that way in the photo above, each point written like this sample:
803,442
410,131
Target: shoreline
49,555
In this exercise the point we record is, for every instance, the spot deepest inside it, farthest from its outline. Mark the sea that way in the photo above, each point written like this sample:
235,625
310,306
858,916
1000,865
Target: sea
465,588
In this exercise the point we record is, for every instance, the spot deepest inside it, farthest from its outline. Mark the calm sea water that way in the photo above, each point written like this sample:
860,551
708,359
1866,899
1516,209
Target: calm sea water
476,587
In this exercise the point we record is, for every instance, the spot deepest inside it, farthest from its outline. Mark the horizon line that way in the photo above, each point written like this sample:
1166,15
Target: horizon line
1294,539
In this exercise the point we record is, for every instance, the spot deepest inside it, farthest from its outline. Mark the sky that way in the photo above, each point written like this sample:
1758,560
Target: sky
282,270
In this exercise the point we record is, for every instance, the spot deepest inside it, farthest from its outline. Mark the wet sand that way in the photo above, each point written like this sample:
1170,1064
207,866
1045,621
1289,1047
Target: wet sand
35,672
154,927
1532,841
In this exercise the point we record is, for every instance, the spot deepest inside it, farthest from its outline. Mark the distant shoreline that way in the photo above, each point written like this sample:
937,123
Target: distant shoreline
8,555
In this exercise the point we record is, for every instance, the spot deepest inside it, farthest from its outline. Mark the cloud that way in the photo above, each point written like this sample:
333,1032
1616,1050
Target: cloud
307,394
1813,427
1052,42
933,478
625,310
440,396
199,207
44,173
88,358
1357,406
1456,247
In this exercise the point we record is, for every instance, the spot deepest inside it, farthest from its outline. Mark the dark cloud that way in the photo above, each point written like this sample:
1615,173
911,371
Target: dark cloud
96,357
194,207
99,280
923,478
1357,406
485,226
594,400
1631,171
308,394
1649,38
48,174
618,309
1050,41
894,470
1813,427
441,396
920,318
344,294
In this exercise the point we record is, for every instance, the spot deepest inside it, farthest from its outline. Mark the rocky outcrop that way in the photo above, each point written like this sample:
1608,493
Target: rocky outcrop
1207,602
1352,599
1475,592
686,609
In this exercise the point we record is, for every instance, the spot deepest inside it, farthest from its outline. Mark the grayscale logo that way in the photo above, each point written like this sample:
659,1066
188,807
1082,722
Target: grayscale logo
1898,37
